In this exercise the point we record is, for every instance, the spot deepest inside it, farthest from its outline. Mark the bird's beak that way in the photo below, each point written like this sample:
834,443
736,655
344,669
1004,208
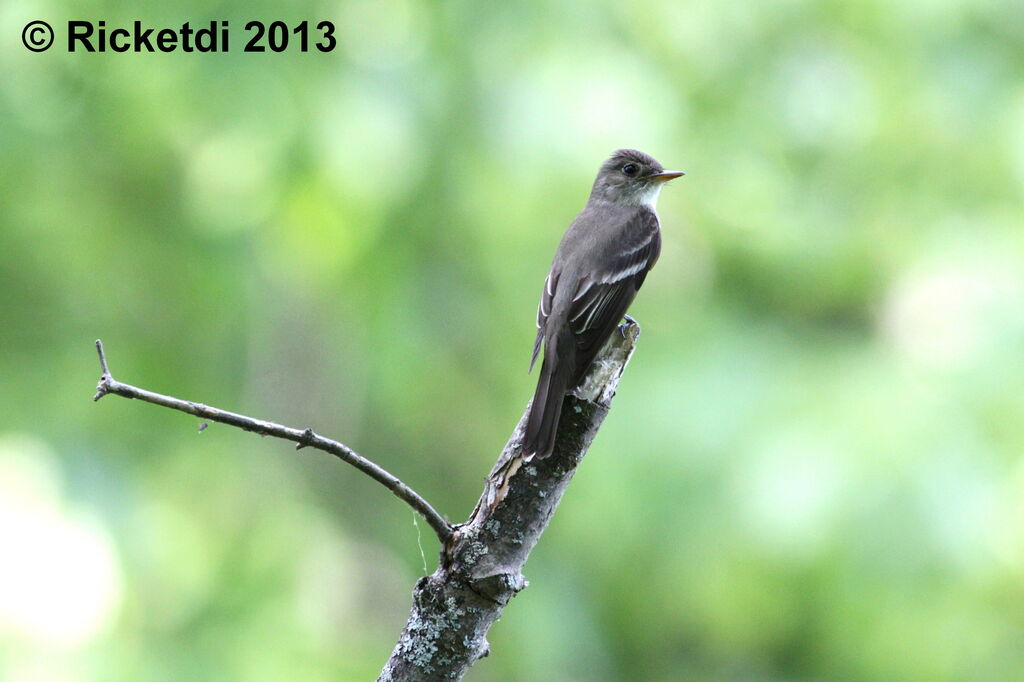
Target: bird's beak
665,176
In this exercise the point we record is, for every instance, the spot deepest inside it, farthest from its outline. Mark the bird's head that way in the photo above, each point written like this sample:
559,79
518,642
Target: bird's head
631,177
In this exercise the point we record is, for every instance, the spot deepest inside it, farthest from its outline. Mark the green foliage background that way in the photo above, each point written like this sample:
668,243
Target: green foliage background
813,468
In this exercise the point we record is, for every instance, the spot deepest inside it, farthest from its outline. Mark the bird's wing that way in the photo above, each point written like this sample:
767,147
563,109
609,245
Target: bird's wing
602,297
544,310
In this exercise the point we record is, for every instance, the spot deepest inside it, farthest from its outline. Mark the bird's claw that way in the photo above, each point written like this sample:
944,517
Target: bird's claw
624,326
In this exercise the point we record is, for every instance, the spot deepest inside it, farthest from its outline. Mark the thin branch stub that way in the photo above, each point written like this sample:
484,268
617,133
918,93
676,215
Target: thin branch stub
308,437
103,387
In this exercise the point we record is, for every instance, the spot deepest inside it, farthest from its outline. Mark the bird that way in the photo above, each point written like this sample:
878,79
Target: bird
600,264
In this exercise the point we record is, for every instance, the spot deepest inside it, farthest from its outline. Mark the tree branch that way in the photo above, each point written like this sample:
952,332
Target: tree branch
481,568
482,559
302,438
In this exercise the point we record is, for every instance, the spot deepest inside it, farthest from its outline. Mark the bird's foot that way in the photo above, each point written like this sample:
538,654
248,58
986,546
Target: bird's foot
624,326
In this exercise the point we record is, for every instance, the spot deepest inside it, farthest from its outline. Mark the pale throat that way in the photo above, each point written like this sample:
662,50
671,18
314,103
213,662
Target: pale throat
648,196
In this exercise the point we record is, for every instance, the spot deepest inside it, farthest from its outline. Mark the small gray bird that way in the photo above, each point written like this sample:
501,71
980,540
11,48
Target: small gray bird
599,266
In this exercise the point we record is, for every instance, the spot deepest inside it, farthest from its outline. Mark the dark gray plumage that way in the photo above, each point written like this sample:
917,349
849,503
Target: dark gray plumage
599,266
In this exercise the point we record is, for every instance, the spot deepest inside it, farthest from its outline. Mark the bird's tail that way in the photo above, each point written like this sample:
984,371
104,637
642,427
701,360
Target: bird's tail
542,424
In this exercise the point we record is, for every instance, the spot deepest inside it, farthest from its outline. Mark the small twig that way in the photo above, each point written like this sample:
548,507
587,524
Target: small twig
302,438
103,363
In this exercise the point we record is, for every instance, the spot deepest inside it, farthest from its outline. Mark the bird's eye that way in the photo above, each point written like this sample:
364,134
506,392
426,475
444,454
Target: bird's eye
631,169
